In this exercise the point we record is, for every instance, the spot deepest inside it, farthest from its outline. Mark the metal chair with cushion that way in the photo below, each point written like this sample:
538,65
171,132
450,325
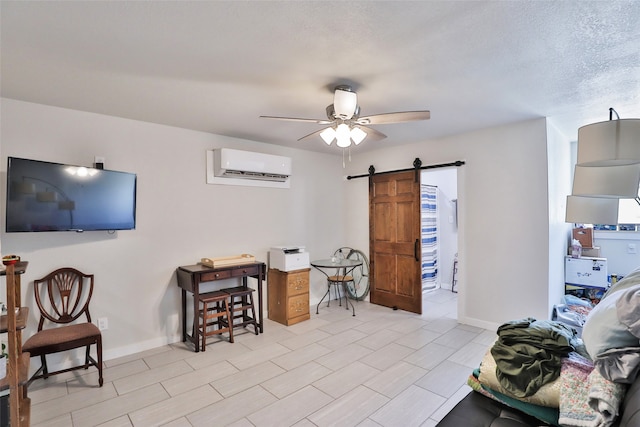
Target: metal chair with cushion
339,281
63,298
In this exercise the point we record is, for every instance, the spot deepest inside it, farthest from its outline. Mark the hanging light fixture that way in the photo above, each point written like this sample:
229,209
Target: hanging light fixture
614,142
591,210
607,173
614,181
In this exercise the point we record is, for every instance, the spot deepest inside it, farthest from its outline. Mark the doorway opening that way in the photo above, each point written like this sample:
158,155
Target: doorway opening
439,227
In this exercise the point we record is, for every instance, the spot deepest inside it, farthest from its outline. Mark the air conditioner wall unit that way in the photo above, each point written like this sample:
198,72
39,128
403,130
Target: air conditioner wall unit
230,164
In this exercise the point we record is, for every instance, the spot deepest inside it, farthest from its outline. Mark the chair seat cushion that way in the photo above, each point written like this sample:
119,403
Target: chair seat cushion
61,338
340,279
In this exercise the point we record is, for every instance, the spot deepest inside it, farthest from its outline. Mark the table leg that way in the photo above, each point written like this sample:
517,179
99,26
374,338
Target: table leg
196,307
184,315
260,317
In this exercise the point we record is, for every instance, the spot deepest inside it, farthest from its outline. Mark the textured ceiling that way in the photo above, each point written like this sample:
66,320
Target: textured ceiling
216,66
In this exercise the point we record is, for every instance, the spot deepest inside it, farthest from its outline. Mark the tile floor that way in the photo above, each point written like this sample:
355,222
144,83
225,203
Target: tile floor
380,368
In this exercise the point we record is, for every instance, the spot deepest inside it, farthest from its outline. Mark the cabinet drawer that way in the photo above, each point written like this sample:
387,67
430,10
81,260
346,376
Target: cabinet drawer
246,271
217,275
298,305
298,283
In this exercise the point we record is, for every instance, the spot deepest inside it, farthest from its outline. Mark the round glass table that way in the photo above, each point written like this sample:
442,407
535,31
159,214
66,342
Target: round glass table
337,271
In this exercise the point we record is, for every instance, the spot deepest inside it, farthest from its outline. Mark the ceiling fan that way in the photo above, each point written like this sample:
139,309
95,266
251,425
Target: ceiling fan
345,124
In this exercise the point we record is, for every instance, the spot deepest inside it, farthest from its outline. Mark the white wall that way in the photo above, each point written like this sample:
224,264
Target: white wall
180,218
560,162
503,216
614,246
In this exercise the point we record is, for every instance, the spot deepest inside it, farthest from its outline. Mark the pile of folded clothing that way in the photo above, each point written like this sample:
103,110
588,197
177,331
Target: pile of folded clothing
572,311
544,369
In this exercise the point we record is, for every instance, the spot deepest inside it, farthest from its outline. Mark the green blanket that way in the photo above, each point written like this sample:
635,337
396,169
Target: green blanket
529,352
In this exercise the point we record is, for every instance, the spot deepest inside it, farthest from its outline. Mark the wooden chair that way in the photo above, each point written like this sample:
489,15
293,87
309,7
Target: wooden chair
241,307
63,297
215,316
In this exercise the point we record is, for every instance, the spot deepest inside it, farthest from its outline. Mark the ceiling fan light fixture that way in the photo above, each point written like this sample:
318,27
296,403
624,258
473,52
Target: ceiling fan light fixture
345,102
344,124
343,135
328,135
343,142
358,135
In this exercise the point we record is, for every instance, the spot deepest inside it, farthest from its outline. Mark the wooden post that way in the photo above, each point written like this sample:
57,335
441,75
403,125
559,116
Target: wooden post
12,363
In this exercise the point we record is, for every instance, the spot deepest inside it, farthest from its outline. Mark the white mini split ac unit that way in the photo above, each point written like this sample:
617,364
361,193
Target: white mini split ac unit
228,166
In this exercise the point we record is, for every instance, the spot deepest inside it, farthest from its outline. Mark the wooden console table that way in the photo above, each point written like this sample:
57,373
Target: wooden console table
190,277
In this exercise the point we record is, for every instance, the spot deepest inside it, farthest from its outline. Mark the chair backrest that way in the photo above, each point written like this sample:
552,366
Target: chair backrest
63,296
343,252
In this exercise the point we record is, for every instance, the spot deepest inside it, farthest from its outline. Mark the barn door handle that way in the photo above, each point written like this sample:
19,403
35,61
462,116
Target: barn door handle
416,248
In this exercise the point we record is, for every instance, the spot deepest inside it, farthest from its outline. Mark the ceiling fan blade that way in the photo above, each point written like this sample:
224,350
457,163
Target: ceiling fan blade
311,135
295,119
371,132
400,117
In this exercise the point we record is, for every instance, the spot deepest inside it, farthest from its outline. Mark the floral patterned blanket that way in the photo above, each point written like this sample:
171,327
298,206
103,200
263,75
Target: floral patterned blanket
587,399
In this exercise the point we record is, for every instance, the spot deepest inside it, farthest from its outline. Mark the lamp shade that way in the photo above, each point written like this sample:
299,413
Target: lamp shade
66,205
343,135
617,181
345,103
591,210
47,196
328,135
614,142
25,187
358,135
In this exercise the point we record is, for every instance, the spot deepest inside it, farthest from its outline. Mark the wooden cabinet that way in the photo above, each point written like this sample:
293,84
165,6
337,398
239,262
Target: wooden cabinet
288,296
18,364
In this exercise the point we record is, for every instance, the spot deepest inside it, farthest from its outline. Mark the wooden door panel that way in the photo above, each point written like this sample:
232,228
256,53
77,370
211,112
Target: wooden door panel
405,282
394,221
382,188
404,187
382,215
405,233
384,273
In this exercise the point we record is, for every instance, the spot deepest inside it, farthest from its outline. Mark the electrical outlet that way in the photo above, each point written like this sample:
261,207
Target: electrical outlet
103,323
631,248
98,162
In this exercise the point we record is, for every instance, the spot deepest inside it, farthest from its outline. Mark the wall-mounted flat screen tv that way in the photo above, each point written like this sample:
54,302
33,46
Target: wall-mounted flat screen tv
45,196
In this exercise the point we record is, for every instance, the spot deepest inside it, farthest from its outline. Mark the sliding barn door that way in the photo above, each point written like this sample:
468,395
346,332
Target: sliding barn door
394,246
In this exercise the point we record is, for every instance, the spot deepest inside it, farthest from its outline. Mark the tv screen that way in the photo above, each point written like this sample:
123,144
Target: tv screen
45,196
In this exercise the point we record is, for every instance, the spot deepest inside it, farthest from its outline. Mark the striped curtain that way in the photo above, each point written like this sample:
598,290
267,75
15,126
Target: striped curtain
429,229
